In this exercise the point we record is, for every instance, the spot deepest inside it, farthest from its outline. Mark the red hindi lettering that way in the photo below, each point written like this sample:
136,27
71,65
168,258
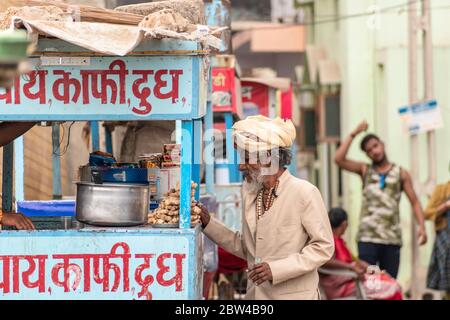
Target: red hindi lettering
101,269
126,263
107,267
7,96
94,75
87,272
147,281
39,283
177,279
122,72
144,106
40,93
5,285
105,83
67,268
173,93
67,83
17,90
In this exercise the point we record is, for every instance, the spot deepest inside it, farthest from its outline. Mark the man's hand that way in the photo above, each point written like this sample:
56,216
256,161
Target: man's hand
360,128
422,234
17,220
260,273
204,215
447,204
362,264
359,269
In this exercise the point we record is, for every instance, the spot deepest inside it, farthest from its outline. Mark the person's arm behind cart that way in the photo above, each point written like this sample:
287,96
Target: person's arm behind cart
8,132
11,130
16,220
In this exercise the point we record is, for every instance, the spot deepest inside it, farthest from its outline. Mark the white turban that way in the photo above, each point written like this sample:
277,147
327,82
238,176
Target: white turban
259,133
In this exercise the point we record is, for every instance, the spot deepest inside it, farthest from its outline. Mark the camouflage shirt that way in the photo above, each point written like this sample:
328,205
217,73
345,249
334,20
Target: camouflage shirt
380,216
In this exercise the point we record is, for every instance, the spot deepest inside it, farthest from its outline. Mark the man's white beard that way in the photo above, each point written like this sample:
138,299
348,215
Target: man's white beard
256,182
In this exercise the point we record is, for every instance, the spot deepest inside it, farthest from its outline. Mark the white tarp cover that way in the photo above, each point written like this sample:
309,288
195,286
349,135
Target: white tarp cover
112,39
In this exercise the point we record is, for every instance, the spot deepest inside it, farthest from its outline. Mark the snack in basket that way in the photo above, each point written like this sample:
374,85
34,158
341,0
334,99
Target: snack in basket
168,211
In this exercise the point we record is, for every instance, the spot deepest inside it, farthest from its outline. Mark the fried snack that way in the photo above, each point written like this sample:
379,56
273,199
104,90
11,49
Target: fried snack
168,211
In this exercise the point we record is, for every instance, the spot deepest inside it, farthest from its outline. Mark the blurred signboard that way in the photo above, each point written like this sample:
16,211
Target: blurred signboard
255,99
226,87
421,117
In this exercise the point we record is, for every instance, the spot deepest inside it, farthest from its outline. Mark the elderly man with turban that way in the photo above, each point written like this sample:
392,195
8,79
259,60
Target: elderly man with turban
286,234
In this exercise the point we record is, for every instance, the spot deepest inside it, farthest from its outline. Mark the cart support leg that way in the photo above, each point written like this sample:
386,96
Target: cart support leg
19,169
209,146
231,152
56,163
186,173
7,177
95,134
108,140
197,155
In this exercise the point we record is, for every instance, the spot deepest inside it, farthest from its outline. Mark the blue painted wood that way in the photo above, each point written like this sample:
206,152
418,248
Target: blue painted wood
95,135
239,177
108,140
7,177
195,276
231,152
218,13
56,162
19,170
199,89
186,173
156,96
199,101
85,244
168,46
197,155
190,105
209,149
101,232
229,141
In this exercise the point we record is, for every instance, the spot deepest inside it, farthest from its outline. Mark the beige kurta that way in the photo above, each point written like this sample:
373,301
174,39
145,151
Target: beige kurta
294,237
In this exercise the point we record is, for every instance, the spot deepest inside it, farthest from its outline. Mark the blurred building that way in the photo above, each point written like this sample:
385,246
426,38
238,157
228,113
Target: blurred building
260,40
360,49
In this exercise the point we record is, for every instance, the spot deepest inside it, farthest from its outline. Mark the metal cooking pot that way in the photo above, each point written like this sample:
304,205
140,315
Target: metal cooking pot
112,205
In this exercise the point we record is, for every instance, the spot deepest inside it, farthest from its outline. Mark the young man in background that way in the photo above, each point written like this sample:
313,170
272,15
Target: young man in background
379,235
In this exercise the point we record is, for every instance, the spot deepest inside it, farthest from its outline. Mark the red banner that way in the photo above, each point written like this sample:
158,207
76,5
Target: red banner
255,99
286,104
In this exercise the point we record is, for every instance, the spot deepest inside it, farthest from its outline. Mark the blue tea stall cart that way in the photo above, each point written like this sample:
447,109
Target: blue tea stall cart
159,80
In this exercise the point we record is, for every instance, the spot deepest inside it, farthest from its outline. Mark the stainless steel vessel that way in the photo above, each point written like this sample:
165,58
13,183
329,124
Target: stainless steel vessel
112,204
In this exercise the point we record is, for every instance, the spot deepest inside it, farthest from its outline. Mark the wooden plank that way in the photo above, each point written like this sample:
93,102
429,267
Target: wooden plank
140,53
90,13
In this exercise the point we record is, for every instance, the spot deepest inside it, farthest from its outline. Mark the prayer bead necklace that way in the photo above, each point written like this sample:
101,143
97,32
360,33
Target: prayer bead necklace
263,206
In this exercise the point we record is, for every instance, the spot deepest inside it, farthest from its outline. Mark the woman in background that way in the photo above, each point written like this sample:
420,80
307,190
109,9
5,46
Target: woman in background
438,210
342,286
